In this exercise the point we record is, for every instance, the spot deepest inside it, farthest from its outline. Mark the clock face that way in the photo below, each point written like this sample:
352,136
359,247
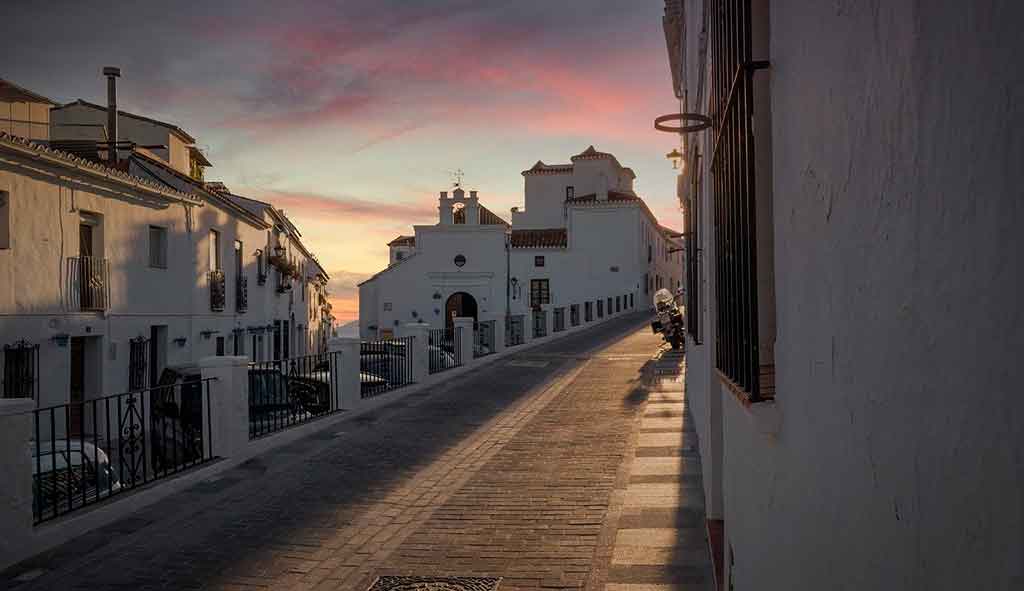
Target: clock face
460,260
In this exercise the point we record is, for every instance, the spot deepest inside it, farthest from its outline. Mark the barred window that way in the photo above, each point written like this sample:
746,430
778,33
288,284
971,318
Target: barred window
20,371
540,292
742,198
138,363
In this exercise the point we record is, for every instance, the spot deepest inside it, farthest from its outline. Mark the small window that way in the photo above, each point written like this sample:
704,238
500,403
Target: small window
400,255
5,220
538,261
220,346
387,306
158,247
570,192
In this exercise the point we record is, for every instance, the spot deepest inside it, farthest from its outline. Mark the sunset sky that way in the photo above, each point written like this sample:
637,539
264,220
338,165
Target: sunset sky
349,115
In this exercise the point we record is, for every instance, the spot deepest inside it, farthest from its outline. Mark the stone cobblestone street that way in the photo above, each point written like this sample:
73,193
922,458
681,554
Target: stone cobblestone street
550,469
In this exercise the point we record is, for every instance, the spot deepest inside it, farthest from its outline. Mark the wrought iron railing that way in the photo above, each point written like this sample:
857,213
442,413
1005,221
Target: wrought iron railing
20,370
384,365
293,391
88,283
218,291
485,342
514,330
86,452
444,348
241,293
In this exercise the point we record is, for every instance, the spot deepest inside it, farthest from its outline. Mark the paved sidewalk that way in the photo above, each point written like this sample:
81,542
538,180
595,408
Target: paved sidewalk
509,472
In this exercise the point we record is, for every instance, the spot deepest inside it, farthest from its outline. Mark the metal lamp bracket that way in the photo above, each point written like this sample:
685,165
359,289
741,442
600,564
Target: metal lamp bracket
696,122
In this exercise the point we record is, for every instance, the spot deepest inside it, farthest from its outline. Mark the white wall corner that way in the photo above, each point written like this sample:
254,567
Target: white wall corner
765,416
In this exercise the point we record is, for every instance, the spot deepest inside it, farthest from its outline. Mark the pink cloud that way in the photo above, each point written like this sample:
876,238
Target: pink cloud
346,208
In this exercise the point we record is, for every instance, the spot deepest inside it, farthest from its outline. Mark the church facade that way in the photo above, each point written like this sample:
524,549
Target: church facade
585,247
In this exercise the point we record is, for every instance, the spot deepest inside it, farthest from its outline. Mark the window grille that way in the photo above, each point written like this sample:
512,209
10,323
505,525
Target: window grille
558,320
21,370
735,213
540,292
138,363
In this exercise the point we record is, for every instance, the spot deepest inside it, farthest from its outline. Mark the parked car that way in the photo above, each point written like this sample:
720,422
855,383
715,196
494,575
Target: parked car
385,359
368,382
70,471
176,418
440,358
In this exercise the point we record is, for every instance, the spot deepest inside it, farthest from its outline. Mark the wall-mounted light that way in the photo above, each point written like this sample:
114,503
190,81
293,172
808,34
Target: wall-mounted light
180,341
676,157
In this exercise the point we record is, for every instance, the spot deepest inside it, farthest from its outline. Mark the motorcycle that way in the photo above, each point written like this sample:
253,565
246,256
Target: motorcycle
669,320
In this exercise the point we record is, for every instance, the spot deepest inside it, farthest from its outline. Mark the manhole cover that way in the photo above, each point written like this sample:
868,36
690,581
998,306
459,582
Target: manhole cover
391,583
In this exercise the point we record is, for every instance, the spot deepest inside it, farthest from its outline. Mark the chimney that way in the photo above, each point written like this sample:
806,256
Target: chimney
112,75
472,194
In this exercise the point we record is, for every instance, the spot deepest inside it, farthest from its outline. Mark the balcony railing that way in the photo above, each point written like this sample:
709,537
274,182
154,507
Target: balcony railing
88,282
218,291
242,293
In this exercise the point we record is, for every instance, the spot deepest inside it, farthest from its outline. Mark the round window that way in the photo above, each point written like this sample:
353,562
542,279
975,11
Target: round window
460,260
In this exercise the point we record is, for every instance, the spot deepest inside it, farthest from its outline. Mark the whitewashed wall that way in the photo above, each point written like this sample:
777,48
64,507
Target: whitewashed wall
34,298
897,460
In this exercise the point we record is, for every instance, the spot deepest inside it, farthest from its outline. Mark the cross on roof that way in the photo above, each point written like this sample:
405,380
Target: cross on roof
457,175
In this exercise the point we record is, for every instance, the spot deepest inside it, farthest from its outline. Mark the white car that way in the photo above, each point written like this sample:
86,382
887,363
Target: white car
70,473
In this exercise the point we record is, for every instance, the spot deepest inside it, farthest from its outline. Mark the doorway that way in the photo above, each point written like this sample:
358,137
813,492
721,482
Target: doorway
76,387
460,304
83,382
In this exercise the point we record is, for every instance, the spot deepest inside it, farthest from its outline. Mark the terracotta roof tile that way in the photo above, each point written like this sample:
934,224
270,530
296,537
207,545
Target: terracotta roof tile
546,238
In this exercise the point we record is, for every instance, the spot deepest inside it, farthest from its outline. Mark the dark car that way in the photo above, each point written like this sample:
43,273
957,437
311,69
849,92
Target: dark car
176,418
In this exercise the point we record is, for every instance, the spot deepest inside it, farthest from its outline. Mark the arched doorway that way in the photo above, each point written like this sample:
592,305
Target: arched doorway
459,304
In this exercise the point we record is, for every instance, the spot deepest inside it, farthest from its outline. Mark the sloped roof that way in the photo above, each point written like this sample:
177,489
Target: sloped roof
97,168
198,155
487,217
403,240
184,135
10,90
541,168
545,238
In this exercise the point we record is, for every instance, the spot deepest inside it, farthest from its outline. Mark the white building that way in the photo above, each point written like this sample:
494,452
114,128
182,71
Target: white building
854,306
584,247
111,272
